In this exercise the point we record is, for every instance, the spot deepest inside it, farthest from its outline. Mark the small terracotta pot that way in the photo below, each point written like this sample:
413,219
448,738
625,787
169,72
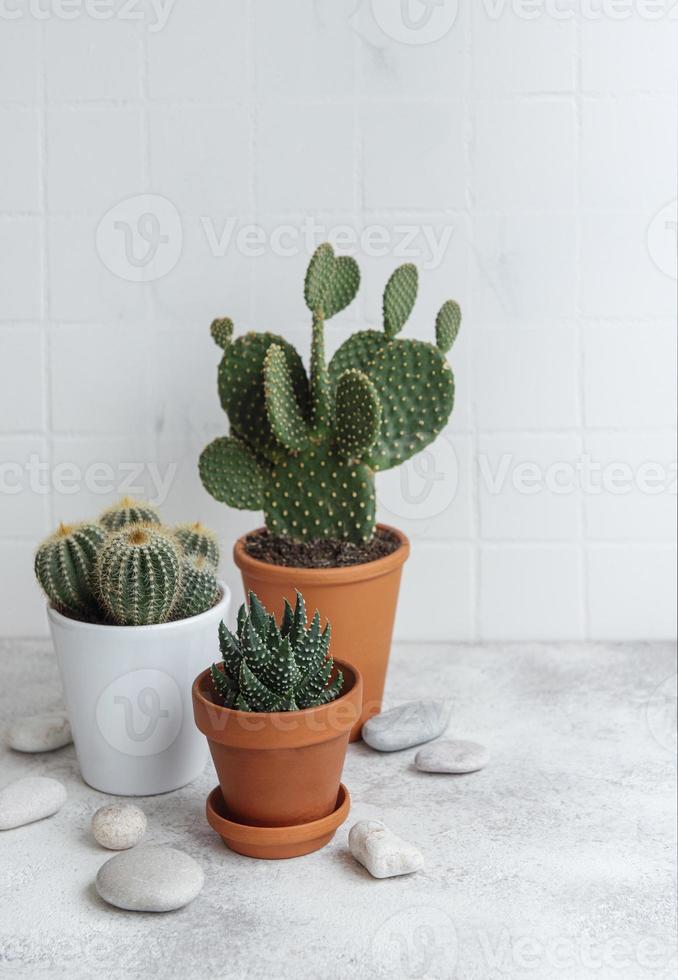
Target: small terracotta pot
359,601
279,769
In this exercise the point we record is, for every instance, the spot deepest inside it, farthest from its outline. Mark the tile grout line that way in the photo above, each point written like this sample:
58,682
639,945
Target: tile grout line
468,144
45,298
151,316
580,387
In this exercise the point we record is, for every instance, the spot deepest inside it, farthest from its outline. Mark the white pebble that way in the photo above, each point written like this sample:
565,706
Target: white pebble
29,799
384,854
150,879
41,733
407,725
118,826
452,756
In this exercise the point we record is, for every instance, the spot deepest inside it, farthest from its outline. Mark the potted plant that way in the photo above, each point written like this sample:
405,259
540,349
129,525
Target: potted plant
277,714
306,449
132,609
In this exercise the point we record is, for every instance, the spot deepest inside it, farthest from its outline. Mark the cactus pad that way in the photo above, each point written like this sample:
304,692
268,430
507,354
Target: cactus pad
242,392
448,322
357,414
288,424
331,282
231,473
400,295
319,494
221,330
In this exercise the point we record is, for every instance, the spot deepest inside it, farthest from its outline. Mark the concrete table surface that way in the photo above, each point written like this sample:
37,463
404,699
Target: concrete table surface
557,860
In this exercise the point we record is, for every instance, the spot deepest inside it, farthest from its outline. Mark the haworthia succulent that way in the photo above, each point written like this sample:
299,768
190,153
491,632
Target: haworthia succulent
269,668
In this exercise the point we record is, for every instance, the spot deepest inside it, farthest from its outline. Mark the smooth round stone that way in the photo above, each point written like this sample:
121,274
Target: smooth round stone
383,853
41,733
407,725
29,799
452,756
150,879
118,826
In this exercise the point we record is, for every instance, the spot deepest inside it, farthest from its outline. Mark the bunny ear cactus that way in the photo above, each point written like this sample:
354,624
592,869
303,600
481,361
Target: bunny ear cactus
267,667
305,449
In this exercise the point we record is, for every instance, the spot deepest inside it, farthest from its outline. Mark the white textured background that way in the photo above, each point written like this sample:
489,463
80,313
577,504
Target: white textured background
539,140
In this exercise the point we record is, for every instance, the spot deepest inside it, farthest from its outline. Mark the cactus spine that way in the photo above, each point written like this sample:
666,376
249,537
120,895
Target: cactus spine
64,565
267,667
138,575
198,589
195,539
305,449
128,511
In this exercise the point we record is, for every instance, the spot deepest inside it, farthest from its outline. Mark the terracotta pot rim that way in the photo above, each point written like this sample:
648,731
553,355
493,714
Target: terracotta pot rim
259,836
324,576
264,730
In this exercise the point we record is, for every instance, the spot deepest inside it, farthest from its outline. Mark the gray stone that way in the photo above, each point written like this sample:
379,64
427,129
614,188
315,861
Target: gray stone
407,725
383,853
150,879
40,733
29,799
118,826
452,756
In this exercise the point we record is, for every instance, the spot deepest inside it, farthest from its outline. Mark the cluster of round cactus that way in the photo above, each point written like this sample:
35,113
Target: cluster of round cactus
129,569
305,448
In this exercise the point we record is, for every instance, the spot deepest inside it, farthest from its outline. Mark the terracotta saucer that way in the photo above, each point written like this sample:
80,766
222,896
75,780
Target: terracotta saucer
273,843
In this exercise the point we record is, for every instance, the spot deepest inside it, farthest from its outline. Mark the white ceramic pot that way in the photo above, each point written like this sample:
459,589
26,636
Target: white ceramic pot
128,697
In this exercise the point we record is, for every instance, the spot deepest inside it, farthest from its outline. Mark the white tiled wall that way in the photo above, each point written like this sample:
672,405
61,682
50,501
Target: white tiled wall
523,157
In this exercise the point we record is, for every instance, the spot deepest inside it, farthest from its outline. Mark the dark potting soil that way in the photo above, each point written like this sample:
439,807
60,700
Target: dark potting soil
319,553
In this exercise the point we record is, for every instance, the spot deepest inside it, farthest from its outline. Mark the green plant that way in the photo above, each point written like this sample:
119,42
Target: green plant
267,667
128,568
138,575
196,540
198,589
305,449
64,564
128,511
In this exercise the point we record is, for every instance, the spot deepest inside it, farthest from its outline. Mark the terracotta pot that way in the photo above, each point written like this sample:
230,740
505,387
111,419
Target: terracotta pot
273,843
359,601
279,769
